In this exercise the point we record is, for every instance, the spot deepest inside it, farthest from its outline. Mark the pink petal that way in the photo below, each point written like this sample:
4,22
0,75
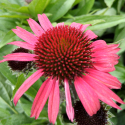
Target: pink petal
98,44
69,108
109,60
23,45
104,67
90,35
103,92
100,47
36,28
105,56
113,46
80,26
105,78
25,86
41,97
25,35
19,57
44,21
87,96
60,24
53,103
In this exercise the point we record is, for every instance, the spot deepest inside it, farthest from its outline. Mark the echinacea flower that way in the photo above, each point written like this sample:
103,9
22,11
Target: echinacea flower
19,65
102,117
66,54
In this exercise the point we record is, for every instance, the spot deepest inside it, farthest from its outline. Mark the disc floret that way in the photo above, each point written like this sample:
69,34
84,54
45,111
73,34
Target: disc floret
63,52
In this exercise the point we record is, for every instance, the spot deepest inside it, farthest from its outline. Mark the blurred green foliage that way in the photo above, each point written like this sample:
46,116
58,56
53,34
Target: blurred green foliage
108,22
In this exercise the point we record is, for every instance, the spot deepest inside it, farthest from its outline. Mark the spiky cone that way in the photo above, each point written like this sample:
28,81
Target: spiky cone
67,53
102,117
20,66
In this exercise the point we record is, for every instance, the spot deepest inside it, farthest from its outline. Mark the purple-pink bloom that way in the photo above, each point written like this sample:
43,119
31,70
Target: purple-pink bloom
66,54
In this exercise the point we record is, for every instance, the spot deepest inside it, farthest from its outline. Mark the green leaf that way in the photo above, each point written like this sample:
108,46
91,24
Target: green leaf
2,34
23,9
76,2
5,97
4,113
20,80
26,106
11,7
119,5
122,106
4,67
7,38
106,11
37,7
32,91
7,24
121,118
19,2
59,120
6,92
16,119
109,2
59,8
120,38
14,7
119,72
15,16
5,1
108,21
7,73
85,6
2,78
27,110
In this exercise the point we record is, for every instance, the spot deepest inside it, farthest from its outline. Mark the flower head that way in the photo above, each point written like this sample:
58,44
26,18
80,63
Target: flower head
66,54
19,65
102,117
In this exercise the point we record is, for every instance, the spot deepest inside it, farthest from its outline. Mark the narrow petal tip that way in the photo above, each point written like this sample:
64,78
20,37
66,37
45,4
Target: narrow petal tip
36,117
15,101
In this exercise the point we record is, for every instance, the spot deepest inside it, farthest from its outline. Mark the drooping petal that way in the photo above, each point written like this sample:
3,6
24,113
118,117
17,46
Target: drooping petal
104,56
36,28
87,96
44,22
19,57
80,26
41,97
101,63
53,103
98,44
25,86
113,46
103,92
25,35
23,45
90,35
104,67
105,78
69,108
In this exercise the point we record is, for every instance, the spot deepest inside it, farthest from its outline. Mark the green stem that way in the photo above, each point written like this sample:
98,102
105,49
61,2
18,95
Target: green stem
75,97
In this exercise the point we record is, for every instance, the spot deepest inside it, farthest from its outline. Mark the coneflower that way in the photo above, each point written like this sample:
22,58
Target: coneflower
66,54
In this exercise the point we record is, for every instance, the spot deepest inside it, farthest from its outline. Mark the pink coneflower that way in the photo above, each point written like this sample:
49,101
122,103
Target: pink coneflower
66,54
